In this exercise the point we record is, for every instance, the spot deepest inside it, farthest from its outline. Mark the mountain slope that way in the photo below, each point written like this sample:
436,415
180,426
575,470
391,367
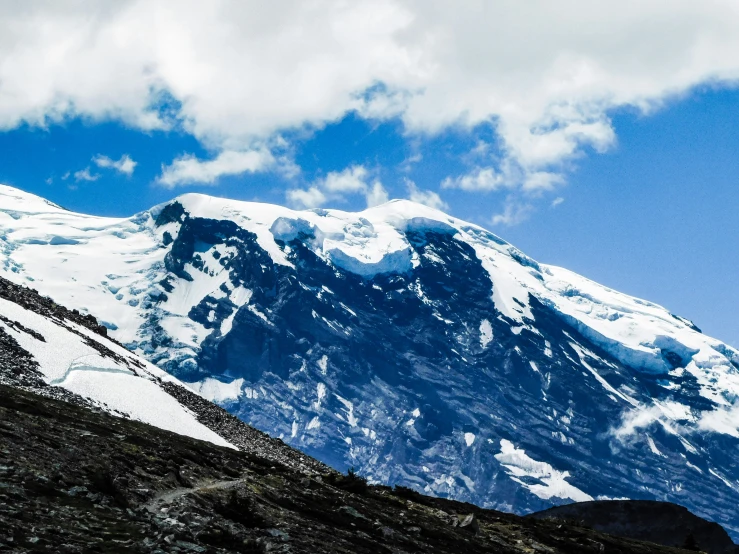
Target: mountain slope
416,347
73,362
59,353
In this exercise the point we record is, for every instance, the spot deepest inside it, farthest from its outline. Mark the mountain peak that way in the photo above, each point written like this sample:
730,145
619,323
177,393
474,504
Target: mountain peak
15,199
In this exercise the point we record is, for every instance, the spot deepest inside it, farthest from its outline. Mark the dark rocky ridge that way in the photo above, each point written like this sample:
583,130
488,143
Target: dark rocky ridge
76,481
31,300
659,522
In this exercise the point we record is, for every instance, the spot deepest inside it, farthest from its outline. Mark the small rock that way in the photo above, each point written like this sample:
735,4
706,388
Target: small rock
469,522
75,491
278,534
351,511
190,546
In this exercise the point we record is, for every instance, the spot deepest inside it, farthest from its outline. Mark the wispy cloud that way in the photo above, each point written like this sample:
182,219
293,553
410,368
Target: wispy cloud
557,201
482,179
336,186
311,197
352,179
188,169
86,175
514,212
426,197
376,195
124,165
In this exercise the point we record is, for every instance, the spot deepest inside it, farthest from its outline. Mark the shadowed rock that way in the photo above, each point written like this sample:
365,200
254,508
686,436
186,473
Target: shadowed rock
658,522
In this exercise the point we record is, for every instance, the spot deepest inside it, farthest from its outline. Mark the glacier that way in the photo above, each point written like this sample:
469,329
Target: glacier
415,347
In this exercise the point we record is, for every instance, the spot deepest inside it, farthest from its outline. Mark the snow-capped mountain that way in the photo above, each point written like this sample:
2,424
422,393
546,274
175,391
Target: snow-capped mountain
418,348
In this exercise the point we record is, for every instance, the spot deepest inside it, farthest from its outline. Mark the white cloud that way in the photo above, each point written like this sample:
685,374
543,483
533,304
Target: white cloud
545,74
514,212
125,165
336,186
308,198
557,201
188,169
540,181
376,195
85,175
483,179
426,197
721,420
352,179
510,176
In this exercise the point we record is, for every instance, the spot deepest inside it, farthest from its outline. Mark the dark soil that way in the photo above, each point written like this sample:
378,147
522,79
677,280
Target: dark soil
74,480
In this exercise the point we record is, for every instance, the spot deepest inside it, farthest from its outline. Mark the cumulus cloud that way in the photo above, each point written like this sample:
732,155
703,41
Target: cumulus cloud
544,76
484,179
426,197
336,186
376,195
723,420
85,175
188,169
514,212
124,165
352,179
312,197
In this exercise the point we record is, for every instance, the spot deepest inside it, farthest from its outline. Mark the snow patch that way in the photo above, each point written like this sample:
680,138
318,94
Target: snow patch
217,391
486,333
552,483
323,364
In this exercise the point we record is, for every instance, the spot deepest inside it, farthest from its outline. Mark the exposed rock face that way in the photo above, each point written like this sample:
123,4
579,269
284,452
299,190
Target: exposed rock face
658,522
76,481
414,347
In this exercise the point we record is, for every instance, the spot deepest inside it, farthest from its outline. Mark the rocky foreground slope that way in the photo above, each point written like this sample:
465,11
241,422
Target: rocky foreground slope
418,348
73,480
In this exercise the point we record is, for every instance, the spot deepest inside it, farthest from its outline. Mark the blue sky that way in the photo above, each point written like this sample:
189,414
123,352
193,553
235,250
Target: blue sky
600,139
